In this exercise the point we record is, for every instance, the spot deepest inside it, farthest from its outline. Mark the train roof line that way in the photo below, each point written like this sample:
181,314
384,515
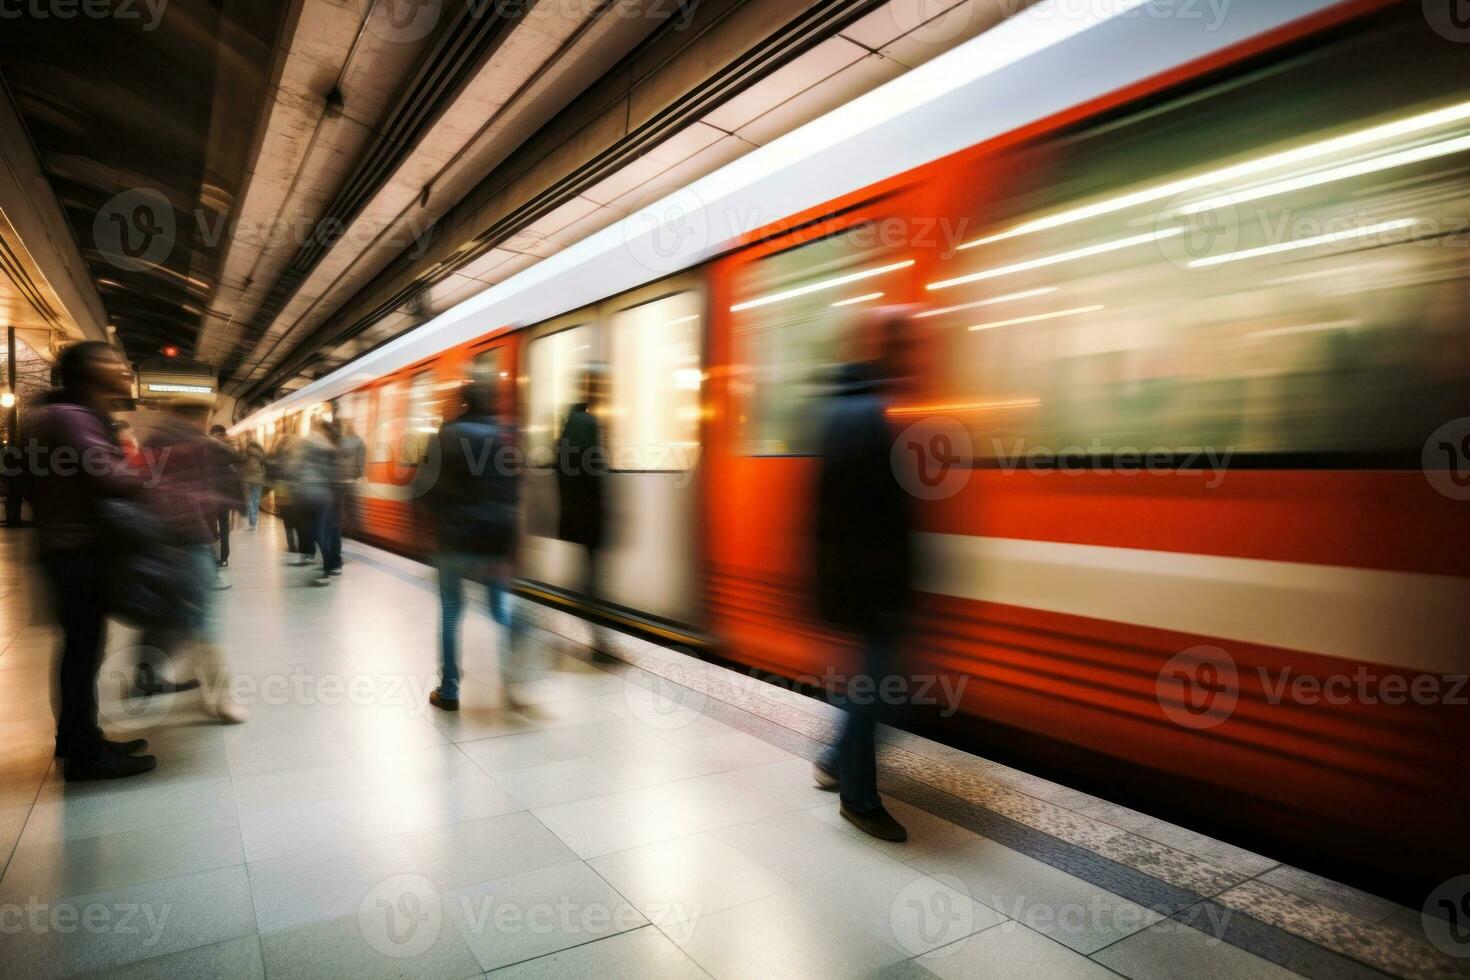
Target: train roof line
1051,56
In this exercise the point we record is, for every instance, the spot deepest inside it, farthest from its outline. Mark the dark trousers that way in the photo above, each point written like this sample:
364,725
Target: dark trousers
79,598
329,531
309,518
855,757
222,530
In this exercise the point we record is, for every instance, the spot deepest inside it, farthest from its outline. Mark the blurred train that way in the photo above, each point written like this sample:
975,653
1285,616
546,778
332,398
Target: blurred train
1190,304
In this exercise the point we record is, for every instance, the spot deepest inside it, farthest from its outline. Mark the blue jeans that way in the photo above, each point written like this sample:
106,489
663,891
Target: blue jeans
454,568
329,533
252,504
855,756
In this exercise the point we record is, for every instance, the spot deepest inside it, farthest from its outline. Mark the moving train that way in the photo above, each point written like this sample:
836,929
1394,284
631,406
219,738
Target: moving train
1186,423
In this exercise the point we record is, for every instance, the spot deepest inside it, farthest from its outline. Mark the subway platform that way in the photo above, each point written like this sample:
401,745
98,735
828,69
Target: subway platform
652,817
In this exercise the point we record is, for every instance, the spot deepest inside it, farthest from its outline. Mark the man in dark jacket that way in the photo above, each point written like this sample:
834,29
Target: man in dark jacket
74,463
225,465
473,501
862,567
581,481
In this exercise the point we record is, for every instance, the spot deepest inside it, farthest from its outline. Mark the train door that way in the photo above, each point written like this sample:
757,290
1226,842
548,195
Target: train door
644,353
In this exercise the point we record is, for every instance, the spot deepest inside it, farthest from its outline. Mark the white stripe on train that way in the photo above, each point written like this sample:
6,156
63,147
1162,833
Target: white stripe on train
1404,620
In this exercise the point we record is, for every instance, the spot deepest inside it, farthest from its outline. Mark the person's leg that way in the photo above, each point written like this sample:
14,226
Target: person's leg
211,660
332,535
223,520
76,583
592,589
857,757
497,586
252,504
451,594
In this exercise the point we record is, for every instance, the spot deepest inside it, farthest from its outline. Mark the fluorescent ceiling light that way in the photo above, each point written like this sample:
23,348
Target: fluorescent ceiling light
1009,297
1057,314
1078,253
1301,243
1363,167
818,286
858,299
1250,168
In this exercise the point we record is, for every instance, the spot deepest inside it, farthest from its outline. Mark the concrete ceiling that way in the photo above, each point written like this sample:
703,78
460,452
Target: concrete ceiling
276,186
142,123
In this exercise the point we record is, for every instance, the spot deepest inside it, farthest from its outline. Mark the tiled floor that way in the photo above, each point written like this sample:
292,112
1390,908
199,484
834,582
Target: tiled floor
350,830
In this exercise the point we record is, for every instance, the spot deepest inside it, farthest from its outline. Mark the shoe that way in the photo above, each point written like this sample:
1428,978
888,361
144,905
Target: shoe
824,778
300,561
876,822
228,713
224,563
147,683
322,579
221,583
334,572
109,765
443,703
131,747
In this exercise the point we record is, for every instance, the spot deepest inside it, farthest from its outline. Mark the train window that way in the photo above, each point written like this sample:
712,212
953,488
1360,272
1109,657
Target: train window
487,365
351,409
387,424
422,420
794,316
1276,266
655,380
558,363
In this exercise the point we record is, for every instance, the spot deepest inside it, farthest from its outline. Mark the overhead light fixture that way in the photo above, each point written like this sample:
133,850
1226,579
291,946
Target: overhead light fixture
1037,318
1363,167
1301,243
7,399
1250,168
858,299
1058,259
818,286
994,300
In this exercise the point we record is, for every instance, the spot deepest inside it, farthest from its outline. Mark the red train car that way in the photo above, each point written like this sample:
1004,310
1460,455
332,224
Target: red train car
1184,416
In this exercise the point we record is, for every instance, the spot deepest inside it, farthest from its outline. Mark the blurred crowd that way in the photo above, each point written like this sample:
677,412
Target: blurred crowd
133,522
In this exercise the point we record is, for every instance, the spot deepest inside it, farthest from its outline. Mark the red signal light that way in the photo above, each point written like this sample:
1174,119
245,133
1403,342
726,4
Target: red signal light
170,351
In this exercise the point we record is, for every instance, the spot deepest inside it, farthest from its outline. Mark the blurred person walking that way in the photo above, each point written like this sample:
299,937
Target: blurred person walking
311,492
351,468
280,469
473,502
253,478
79,464
581,480
225,470
196,485
863,563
